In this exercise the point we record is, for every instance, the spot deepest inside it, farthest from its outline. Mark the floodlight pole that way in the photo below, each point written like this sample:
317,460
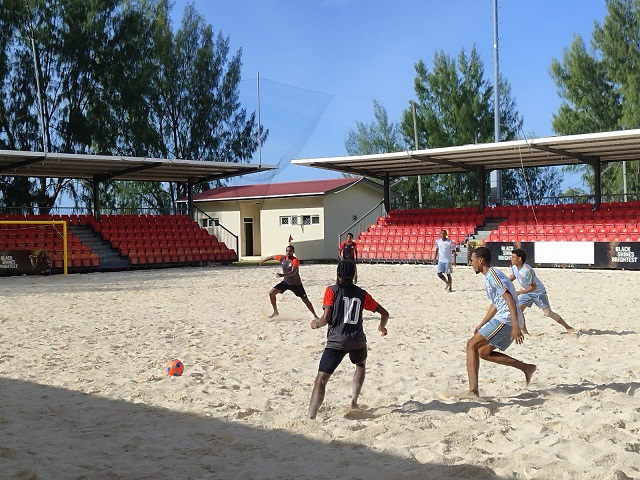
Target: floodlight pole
259,133
495,177
35,68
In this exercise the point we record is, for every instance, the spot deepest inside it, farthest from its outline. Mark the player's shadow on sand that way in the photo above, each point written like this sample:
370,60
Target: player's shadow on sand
461,405
595,331
629,388
50,432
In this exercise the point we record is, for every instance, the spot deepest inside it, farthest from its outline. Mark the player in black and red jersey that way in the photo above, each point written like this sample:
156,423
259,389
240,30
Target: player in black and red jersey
343,305
290,280
348,250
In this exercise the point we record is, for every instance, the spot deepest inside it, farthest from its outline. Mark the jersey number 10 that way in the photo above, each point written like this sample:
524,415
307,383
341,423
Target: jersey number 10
351,310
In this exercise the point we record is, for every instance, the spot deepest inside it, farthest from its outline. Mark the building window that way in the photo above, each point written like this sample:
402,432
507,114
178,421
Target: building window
210,222
300,220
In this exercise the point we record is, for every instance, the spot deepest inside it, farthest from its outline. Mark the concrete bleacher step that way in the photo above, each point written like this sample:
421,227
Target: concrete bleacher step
109,257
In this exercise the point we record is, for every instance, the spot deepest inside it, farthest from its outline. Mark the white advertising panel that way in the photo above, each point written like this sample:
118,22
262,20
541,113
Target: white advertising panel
564,252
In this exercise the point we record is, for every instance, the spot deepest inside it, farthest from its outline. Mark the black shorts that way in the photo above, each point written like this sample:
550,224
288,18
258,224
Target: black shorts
297,289
331,358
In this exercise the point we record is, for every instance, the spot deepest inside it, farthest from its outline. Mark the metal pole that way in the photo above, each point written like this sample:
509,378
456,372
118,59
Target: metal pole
624,179
496,175
35,68
259,133
415,139
496,74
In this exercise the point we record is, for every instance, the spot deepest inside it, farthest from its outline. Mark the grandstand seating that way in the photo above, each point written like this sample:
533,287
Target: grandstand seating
613,222
410,235
144,240
32,237
158,239
400,236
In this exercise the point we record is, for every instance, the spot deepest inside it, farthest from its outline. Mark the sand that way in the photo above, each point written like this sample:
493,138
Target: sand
83,394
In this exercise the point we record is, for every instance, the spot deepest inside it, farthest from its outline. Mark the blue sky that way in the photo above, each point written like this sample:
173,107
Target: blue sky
360,50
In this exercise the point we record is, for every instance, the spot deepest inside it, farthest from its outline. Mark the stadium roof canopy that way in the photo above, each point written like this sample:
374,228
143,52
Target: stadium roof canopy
572,149
593,149
105,167
101,168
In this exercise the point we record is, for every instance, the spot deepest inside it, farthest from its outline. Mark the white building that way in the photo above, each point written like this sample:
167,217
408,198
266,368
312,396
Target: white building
311,213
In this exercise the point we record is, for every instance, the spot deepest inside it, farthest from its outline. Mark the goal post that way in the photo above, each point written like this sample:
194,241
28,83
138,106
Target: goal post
54,224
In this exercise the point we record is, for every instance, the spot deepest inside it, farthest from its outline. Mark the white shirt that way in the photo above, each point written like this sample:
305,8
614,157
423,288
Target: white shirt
445,250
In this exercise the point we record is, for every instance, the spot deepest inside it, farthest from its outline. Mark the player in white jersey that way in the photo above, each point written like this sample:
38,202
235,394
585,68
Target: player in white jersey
500,326
445,256
533,290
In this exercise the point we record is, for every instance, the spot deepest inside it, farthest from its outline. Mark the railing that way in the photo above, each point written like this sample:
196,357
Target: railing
400,204
222,233
83,211
363,223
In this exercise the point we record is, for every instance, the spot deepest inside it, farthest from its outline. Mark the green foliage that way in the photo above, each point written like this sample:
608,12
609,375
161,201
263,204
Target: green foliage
116,79
455,107
600,88
590,100
379,136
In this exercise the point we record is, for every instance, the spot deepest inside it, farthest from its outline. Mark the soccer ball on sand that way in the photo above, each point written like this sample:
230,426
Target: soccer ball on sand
174,368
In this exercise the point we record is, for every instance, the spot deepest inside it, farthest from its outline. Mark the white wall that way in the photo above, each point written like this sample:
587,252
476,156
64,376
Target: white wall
228,213
308,240
340,209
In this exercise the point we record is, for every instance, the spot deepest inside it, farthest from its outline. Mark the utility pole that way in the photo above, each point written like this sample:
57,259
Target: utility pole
495,177
259,132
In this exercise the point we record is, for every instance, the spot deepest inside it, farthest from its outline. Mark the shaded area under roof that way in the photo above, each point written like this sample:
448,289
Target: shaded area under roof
105,167
592,149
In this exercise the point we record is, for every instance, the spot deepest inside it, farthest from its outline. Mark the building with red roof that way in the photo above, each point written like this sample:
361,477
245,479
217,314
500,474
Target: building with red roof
310,213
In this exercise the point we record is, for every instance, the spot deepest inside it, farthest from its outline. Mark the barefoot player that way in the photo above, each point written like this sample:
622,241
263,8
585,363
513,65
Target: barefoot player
343,305
290,280
500,326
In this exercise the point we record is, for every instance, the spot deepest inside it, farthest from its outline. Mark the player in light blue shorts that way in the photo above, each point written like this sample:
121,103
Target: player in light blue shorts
500,326
445,256
527,299
533,291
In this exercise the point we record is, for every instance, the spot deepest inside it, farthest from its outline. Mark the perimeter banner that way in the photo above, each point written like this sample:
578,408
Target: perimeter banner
616,255
501,252
620,255
24,262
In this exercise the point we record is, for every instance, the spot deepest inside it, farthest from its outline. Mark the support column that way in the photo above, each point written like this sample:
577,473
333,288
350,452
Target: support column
190,199
96,198
387,193
482,194
597,184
